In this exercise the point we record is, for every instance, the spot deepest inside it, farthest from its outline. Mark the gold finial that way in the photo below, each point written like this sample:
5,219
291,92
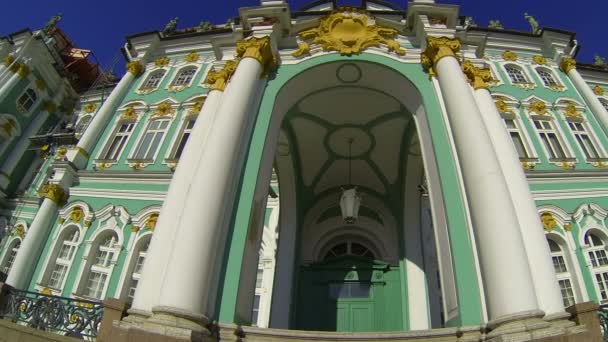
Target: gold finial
548,221
219,79
53,192
509,56
567,64
258,49
161,61
436,49
539,60
538,107
135,68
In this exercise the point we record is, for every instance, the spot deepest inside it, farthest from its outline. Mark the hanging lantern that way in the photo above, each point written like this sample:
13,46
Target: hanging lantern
349,204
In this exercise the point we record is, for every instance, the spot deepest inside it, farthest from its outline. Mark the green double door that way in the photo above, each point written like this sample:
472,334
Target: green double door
349,295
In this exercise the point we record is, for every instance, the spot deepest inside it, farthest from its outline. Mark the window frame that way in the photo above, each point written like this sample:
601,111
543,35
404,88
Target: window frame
10,248
523,134
558,84
103,155
567,274
139,107
596,270
141,135
171,86
170,156
152,69
51,262
529,81
19,106
550,117
135,251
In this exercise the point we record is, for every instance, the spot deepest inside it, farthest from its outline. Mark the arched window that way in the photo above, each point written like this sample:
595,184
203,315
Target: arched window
62,257
547,77
516,74
101,257
152,139
27,100
184,77
596,252
562,272
348,248
136,265
11,254
153,80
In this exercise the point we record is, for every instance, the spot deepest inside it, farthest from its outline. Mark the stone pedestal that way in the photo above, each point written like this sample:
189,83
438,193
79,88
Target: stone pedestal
586,314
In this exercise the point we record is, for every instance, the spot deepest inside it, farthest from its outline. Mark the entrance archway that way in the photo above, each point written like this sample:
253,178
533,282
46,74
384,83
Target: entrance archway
386,111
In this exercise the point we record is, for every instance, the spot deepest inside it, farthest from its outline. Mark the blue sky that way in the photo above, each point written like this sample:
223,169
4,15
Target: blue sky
101,25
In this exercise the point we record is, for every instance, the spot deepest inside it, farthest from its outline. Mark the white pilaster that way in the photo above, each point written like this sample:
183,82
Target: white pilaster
505,272
148,290
8,85
90,137
548,292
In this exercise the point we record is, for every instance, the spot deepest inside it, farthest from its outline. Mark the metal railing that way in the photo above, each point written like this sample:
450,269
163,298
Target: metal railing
64,316
603,314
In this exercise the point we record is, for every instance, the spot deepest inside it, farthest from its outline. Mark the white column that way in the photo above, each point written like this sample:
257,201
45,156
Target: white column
548,292
148,289
568,65
37,234
8,85
90,137
506,276
196,249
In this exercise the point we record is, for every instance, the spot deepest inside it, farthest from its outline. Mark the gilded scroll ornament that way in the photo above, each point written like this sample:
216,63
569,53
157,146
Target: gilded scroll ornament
138,165
161,61
23,70
19,230
196,108
129,114
259,49
219,79
567,64
436,49
53,192
539,60
163,109
509,56
151,222
548,221
192,57
87,223
568,227
40,84
61,152
572,113
77,214
503,107
528,165
8,60
597,90
348,31
90,108
135,68
566,165
479,78
538,107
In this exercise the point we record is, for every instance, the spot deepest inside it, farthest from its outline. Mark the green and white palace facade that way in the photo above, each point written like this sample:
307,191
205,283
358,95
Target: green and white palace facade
370,170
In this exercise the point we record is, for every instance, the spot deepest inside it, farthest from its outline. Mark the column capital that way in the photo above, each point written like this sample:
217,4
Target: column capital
54,192
567,64
136,68
259,49
477,77
436,49
219,79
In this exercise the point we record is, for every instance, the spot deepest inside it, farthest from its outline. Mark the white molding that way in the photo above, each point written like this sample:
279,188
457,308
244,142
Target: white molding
122,194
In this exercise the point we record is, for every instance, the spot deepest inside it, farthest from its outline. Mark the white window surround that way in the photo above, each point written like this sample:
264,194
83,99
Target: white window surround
554,127
582,127
498,80
28,111
562,264
82,124
136,145
177,135
139,109
10,252
557,82
178,69
150,70
598,264
529,80
62,256
523,133
134,252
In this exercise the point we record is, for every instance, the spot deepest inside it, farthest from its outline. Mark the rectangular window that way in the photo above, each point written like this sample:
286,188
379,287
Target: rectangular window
57,276
559,264
567,293
598,258
602,284
256,310
151,140
95,284
66,252
549,138
118,142
140,263
516,137
259,278
183,139
584,140
10,261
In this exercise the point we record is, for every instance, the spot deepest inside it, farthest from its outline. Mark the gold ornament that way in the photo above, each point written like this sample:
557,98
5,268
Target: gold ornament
8,60
53,192
61,152
137,165
503,107
40,84
163,109
134,229
82,151
600,164
90,108
19,230
597,90
196,108
348,31
566,165
539,60
478,78
135,68
161,61
60,220
103,166
258,49
88,223
50,106
568,227
151,222
572,113
23,70
548,221
76,215
219,79
130,114
567,64
538,107
509,56
436,49
9,127
528,165
192,57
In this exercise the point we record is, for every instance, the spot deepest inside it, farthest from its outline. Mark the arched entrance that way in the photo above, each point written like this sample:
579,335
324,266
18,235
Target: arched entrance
307,114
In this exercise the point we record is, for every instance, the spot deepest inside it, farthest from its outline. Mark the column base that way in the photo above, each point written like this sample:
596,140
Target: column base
530,326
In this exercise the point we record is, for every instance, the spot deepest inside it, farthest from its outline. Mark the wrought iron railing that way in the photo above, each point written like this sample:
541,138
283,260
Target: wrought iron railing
65,316
603,313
